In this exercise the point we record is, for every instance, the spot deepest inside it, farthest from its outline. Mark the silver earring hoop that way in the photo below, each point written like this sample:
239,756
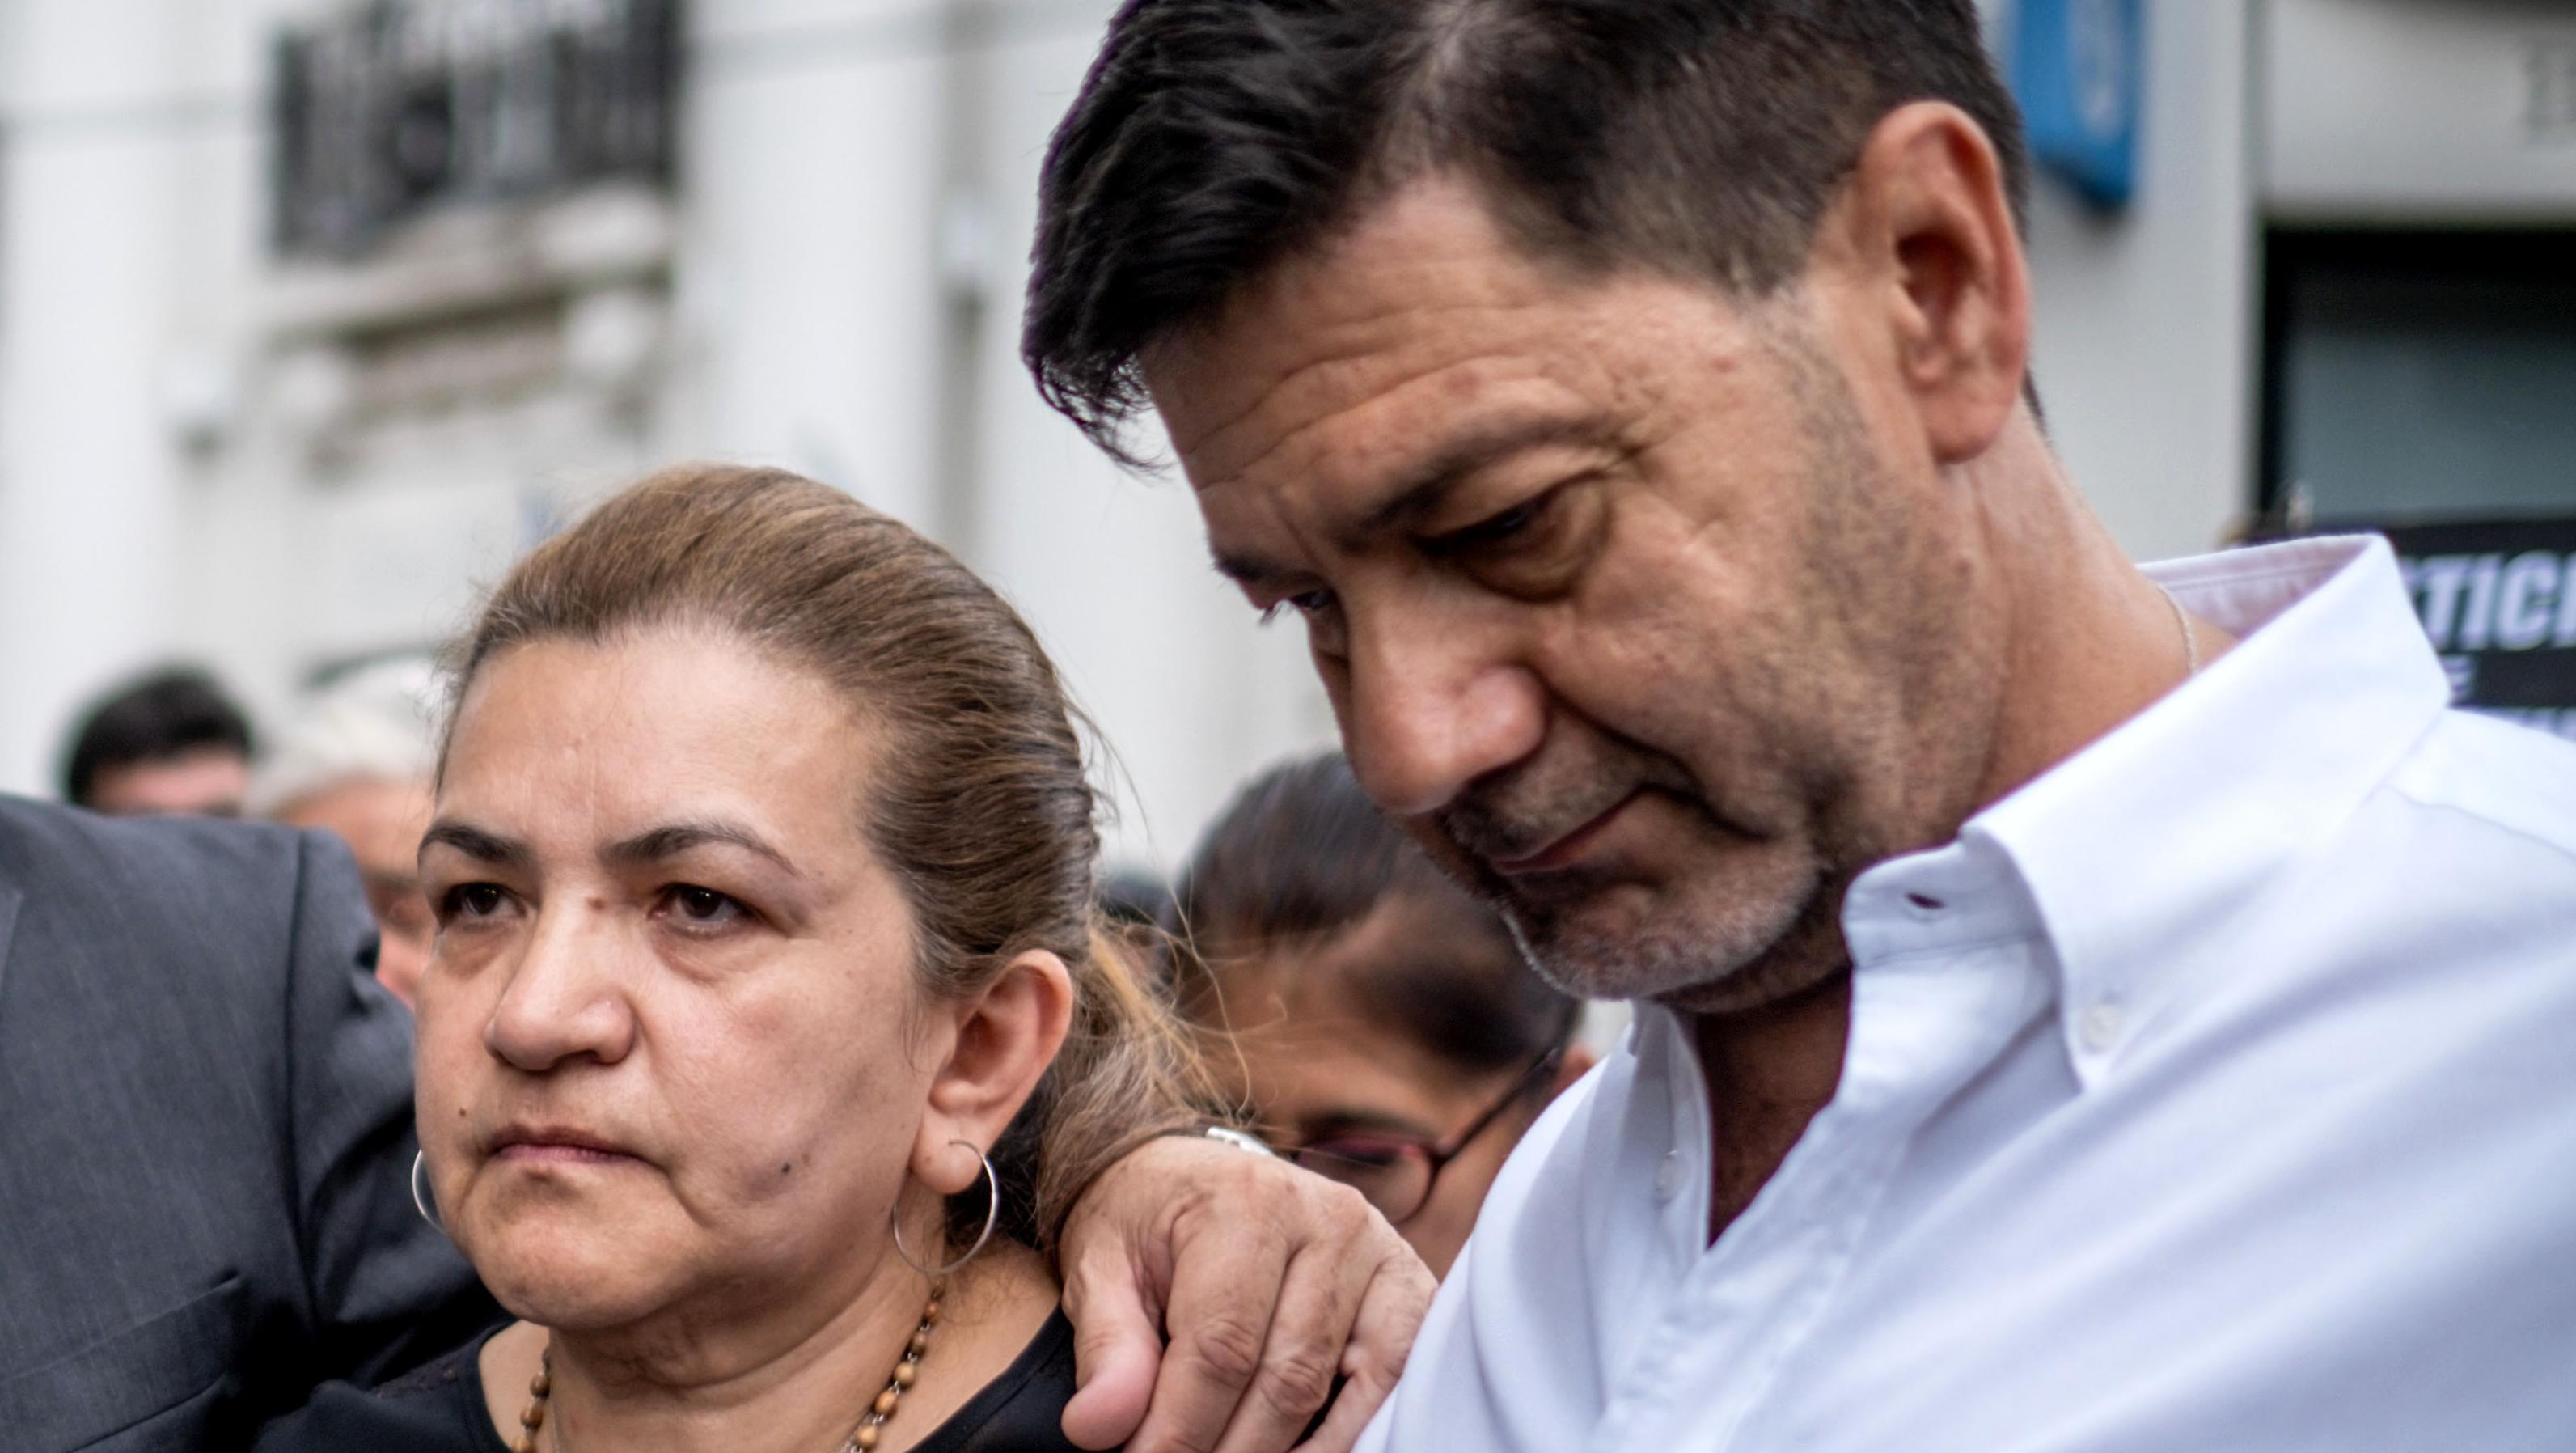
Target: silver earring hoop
420,1198
992,1213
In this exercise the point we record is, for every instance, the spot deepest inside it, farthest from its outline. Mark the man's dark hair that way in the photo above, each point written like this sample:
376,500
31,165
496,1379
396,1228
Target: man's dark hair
1301,856
152,719
1702,138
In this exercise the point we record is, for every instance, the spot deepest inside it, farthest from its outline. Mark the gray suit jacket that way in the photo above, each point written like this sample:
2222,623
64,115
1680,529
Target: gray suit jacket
205,1137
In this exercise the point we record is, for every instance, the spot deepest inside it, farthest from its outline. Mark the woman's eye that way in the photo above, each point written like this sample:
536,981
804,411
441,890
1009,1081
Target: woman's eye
470,901
703,907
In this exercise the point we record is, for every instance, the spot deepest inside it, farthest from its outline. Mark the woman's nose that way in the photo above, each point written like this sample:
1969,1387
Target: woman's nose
566,999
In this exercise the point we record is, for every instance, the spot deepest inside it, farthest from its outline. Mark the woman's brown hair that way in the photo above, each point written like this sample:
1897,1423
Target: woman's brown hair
978,800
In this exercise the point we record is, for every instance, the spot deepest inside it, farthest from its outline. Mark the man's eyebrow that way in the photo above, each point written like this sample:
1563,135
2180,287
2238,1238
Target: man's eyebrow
672,839
1421,490
475,843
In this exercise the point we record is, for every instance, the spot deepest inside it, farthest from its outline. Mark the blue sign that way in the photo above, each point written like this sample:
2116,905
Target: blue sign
2075,69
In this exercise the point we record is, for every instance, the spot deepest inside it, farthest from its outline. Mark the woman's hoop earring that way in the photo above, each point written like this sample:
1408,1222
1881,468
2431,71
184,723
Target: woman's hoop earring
992,1213
419,1199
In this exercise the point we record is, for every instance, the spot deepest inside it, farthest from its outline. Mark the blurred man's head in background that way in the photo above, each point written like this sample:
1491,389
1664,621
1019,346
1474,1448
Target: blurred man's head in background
1383,1027
355,759
169,742
1628,396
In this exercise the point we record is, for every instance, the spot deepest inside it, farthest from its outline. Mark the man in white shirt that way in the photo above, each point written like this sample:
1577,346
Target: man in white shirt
2081,1008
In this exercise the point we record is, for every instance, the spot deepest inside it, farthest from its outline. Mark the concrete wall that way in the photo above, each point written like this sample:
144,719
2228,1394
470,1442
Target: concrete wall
2147,319
90,514
182,471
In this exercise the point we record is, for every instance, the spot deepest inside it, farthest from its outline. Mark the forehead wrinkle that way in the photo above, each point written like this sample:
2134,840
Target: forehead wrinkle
1497,393
1292,288
1418,244
1261,395
552,764
1383,335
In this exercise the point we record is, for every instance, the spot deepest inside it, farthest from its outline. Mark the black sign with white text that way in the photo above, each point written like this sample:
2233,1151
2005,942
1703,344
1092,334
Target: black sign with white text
2498,599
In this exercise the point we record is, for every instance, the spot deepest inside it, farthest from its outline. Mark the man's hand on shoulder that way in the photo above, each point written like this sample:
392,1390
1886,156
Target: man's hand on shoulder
1271,1281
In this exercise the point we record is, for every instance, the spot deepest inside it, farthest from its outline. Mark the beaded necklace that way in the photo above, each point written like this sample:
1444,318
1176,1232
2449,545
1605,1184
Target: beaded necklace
863,1438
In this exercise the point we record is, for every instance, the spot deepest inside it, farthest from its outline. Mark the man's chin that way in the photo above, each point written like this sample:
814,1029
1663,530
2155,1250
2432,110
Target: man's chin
1627,941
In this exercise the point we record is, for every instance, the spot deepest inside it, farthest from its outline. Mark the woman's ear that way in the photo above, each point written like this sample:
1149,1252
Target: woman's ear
1006,1038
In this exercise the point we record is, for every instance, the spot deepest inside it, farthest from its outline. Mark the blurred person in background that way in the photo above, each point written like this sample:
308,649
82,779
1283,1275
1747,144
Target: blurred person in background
1135,898
1136,904
2080,1006
168,742
355,759
1380,1025
772,1035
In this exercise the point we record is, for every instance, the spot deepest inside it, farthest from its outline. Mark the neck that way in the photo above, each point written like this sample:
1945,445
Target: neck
1769,1070
2087,643
684,1388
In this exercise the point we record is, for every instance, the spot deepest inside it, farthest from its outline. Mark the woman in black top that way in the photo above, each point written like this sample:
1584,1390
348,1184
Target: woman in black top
442,1408
767,1026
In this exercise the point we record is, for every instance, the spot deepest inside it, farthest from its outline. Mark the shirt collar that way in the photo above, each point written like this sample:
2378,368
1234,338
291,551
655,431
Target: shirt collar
2137,851
2131,855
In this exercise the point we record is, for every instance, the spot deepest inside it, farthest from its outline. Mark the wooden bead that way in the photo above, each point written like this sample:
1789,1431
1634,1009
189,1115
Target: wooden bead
905,1373
930,1313
533,1416
886,1402
866,1436
920,1343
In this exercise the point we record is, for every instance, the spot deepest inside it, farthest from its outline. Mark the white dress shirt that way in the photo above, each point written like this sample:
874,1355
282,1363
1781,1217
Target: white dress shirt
2213,1093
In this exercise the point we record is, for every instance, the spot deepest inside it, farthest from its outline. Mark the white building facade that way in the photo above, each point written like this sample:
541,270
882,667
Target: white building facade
281,458
283,421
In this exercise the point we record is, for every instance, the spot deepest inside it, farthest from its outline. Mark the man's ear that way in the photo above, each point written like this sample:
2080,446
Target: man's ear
1006,1038
1925,218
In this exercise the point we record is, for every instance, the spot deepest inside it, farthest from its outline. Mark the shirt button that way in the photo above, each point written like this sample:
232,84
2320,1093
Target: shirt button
1668,1175
2100,1027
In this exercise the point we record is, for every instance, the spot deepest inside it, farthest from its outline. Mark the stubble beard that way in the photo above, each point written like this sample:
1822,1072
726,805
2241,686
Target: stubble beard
1623,940
1603,932
1769,925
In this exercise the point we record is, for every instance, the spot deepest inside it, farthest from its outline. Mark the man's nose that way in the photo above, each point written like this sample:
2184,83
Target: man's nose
1423,716
565,999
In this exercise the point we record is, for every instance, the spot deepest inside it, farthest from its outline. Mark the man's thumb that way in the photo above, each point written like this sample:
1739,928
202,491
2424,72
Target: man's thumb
1117,1350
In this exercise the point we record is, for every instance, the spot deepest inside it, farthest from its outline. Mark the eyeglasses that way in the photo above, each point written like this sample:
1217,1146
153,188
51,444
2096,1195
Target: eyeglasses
1395,1172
